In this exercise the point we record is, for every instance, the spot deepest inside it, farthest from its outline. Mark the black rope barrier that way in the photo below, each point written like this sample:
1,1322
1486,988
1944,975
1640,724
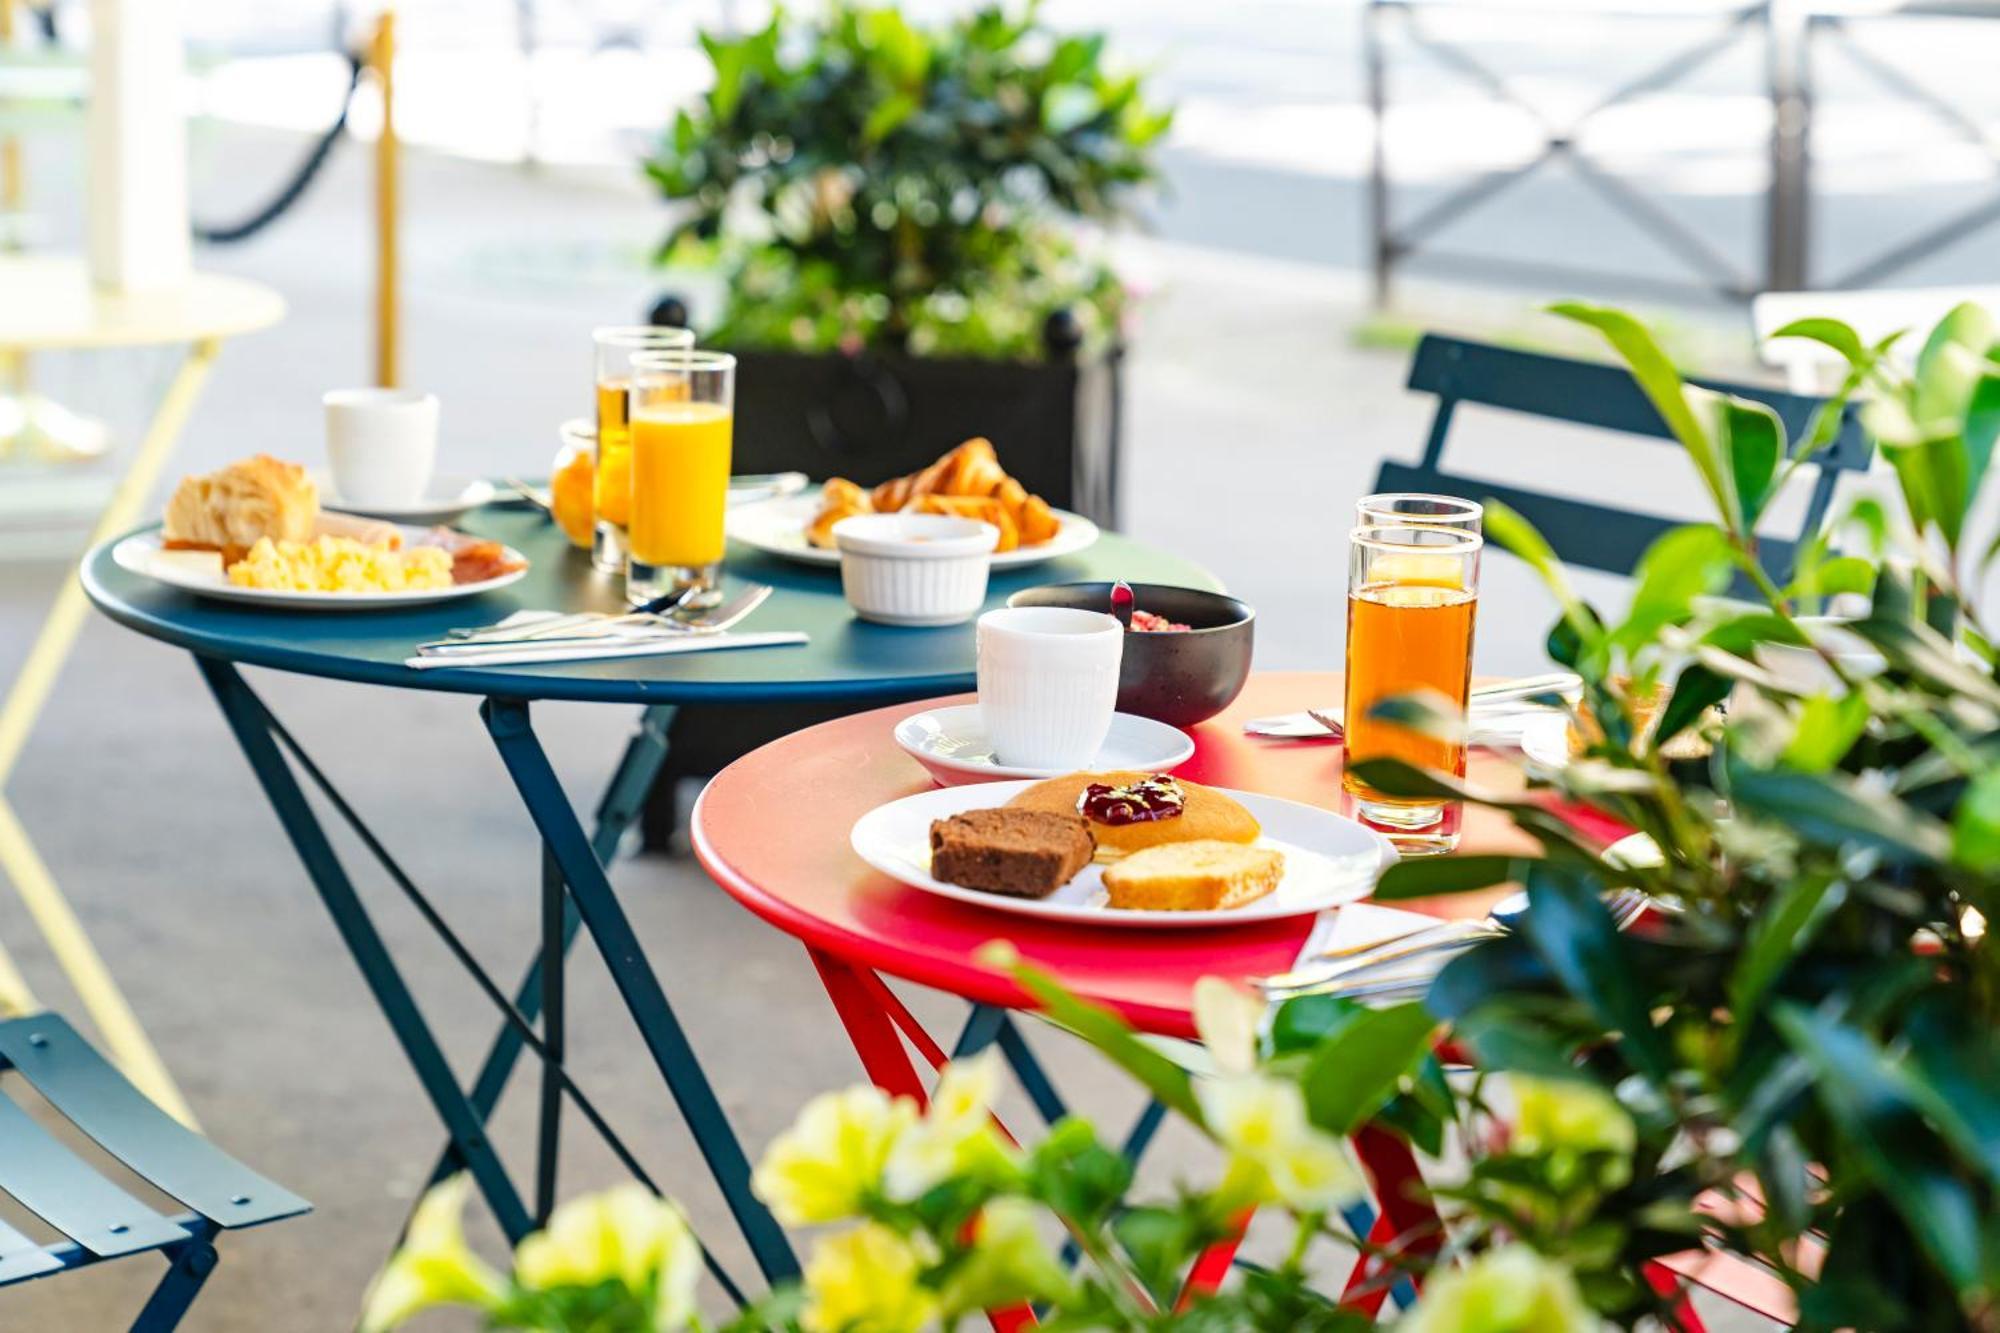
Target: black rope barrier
294,189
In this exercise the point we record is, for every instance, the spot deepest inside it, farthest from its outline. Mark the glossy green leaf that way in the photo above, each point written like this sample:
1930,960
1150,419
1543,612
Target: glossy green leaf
1681,565
1111,1035
888,116
1862,1093
1955,1073
1827,727
1831,333
1755,442
1696,690
1828,808
1568,926
1671,398
1967,326
1355,1070
1833,577
1516,534
1302,1023
1432,876
1975,825
1782,929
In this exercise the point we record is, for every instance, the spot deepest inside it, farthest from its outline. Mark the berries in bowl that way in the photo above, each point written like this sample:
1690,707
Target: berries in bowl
1187,655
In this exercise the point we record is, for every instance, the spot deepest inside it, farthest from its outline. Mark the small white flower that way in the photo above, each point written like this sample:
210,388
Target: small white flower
1228,1017
1508,1290
826,1165
1276,1154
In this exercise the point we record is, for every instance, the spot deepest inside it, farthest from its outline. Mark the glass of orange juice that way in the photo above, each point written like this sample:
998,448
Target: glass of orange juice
615,347
682,415
1412,599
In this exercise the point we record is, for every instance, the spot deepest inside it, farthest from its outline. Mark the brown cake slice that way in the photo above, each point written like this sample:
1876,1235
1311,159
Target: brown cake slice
1021,853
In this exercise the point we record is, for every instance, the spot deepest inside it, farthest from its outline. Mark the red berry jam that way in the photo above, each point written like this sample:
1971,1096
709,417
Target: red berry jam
1156,797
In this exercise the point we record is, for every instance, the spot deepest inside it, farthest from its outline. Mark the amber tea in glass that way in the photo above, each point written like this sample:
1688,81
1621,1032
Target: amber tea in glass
1412,599
615,348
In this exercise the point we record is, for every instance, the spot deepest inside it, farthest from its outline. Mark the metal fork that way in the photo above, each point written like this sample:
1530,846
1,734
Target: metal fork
571,629
1625,906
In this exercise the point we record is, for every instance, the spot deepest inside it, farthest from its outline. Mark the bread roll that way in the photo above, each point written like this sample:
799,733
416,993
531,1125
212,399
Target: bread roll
230,510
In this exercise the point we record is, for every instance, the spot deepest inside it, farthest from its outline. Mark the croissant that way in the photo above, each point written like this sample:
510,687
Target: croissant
967,482
982,507
230,510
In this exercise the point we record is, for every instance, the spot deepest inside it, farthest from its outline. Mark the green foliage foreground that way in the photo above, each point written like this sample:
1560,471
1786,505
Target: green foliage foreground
1796,1063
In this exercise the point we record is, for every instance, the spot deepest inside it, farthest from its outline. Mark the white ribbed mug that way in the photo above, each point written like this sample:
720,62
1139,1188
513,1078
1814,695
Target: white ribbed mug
1048,684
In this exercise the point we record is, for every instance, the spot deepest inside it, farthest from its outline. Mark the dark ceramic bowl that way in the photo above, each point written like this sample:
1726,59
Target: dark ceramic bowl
1176,677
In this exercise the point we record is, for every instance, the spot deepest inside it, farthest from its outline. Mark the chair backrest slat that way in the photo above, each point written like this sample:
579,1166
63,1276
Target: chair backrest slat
1608,398
98,1100
67,1192
21,1258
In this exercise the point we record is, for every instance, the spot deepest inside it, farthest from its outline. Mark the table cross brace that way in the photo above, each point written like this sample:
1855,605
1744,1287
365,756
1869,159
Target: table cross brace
266,742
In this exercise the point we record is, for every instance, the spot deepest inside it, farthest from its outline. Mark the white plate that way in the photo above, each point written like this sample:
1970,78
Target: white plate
200,572
1329,860
449,500
952,744
778,527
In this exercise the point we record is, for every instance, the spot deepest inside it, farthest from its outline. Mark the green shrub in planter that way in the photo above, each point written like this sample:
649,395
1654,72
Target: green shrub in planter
863,183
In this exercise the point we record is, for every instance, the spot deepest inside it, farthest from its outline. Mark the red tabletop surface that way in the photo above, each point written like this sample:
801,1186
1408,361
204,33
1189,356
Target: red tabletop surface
772,829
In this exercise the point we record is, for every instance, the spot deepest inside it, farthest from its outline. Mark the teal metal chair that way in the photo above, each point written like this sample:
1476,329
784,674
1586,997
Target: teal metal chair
1587,393
101,1220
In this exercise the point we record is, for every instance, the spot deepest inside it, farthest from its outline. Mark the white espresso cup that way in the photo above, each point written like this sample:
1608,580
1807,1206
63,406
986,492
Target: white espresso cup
382,444
1048,684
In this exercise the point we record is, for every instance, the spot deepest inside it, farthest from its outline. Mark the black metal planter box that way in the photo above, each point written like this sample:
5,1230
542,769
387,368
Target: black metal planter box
1055,425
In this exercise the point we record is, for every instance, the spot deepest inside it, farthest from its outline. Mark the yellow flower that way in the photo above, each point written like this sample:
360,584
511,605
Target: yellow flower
1009,1261
627,1234
1227,1017
826,1165
1509,1290
866,1280
1556,1114
955,1136
1275,1153
433,1267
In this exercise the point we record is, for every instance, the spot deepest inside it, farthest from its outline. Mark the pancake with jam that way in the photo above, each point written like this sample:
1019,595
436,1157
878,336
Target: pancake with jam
1129,811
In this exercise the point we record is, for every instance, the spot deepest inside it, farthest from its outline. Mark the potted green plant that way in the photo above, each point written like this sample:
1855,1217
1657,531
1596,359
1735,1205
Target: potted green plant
892,210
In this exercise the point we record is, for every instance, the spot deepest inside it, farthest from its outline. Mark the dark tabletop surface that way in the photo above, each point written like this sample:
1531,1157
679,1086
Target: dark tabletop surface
846,659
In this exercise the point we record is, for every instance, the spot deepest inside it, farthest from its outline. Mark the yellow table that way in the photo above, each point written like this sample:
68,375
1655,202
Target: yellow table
47,303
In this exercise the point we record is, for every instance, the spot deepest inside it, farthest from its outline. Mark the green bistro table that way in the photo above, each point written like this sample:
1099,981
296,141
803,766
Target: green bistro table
846,660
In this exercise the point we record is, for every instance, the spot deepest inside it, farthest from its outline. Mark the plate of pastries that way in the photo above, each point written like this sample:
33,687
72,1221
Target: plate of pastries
967,482
1123,849
254,532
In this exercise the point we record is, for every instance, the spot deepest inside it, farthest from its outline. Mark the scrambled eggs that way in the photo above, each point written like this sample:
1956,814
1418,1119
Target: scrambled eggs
340,564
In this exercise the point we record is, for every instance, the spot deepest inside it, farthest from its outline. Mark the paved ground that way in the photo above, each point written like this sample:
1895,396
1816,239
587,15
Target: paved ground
1255,422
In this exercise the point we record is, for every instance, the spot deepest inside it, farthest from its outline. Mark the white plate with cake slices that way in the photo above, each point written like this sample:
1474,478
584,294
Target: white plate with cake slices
952,746
778,527
201,573
1328,860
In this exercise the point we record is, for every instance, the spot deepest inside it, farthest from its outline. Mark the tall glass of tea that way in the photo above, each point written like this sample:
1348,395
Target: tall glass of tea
611,485
1394,508
1412,598
683,409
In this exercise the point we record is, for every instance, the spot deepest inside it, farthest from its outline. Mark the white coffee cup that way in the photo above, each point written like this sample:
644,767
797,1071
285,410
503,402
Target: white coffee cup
1048,684
382,444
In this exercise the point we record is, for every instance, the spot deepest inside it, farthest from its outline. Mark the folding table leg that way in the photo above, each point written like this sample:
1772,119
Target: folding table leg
597,903
555,940
624,797
168,1305
248,720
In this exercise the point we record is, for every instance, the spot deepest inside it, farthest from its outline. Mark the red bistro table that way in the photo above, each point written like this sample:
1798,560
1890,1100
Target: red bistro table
772,830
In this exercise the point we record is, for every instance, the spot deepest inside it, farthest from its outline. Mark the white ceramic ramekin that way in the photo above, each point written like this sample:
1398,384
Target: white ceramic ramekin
914,569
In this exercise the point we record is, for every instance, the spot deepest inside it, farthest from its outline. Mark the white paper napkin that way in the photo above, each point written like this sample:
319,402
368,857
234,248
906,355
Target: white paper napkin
1358,925
611,646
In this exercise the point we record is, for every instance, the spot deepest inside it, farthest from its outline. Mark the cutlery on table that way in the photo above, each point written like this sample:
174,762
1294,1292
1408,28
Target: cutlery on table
664,616
1495,697
1330,972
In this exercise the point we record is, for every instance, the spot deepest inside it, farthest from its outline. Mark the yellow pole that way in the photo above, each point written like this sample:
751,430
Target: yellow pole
11,181
80,961
382,57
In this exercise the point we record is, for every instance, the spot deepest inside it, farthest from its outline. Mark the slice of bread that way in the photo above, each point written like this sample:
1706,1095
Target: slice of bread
1021,853
1197,876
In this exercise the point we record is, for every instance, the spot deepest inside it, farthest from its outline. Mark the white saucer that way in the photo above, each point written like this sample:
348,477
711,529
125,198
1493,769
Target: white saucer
449,499
952,744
